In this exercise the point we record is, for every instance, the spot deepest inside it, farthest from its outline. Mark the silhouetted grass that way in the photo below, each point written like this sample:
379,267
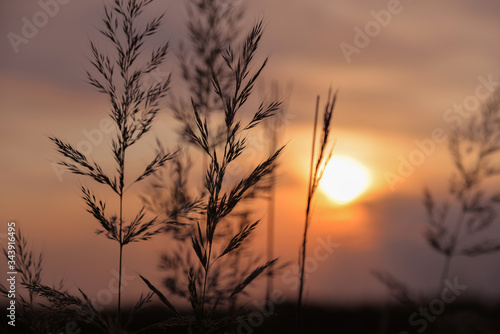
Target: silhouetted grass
209,288
318,164
474,148
134,107
29,268
454,225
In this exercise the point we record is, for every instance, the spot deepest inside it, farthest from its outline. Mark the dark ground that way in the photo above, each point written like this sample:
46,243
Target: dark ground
471,318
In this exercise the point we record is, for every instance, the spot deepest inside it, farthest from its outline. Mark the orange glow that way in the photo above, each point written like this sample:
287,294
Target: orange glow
349,224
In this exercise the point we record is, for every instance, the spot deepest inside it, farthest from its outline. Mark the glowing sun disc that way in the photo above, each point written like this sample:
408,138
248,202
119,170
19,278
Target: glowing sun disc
344,179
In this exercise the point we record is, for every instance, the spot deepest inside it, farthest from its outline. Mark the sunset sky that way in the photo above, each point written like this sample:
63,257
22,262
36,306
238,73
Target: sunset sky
396,85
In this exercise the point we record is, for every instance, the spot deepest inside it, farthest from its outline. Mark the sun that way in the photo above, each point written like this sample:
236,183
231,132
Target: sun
344,179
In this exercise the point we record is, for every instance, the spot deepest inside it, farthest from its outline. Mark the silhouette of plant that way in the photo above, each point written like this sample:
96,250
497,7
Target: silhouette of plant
212,26
318,164
273,126
454,225
134,106
28,265
209,288
473,148
172,199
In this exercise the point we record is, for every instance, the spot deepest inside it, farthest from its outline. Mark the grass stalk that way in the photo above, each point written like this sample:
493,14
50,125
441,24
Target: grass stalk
211,232
455,224
120,260
308,208
120,76
317,167
270,230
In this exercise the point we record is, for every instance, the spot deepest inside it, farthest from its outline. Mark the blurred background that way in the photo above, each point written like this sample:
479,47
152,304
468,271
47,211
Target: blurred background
400,78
